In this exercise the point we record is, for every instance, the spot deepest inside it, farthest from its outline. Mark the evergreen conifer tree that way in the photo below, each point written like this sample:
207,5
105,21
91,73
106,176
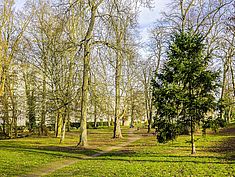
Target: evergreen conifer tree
185,90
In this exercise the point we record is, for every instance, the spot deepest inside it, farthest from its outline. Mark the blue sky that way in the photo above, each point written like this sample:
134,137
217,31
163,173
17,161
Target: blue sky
19,3
147,17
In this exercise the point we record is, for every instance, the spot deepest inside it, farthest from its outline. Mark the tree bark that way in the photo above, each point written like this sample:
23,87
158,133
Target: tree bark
43,113
6,115
117,127
192,139
59,123
95,103
232,75
132,113
225,70
86,67
63,128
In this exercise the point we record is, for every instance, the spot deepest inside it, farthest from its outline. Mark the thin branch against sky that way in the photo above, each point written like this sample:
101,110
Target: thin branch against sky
147,17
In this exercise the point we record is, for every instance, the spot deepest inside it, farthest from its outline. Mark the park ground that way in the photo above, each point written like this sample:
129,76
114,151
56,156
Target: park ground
137,154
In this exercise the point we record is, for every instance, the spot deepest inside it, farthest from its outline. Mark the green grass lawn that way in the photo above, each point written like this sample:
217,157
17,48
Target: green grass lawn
20,156
145,157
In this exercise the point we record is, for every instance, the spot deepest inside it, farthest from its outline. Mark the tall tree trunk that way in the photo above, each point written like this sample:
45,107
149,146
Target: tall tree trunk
192,139
43,113
132,109
83,122
86,67
108,117
63,128
146,95
108,121
56,123
117,127
132,115
63,132
95,103
147,111
229,113
14,118
225,70
59,123
4,127
30,100
68,119
95,117
6,116
150,113
149,124
192,127
233,81
233,85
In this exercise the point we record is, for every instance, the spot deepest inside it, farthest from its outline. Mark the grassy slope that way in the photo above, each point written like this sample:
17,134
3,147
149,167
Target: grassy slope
215,156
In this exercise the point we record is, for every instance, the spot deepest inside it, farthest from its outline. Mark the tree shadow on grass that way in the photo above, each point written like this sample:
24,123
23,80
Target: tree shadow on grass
173,160
227,146
120,155
131,156
129,153
65,151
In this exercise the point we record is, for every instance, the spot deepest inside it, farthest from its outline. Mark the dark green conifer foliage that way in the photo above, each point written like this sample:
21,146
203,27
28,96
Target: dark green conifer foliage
184,91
